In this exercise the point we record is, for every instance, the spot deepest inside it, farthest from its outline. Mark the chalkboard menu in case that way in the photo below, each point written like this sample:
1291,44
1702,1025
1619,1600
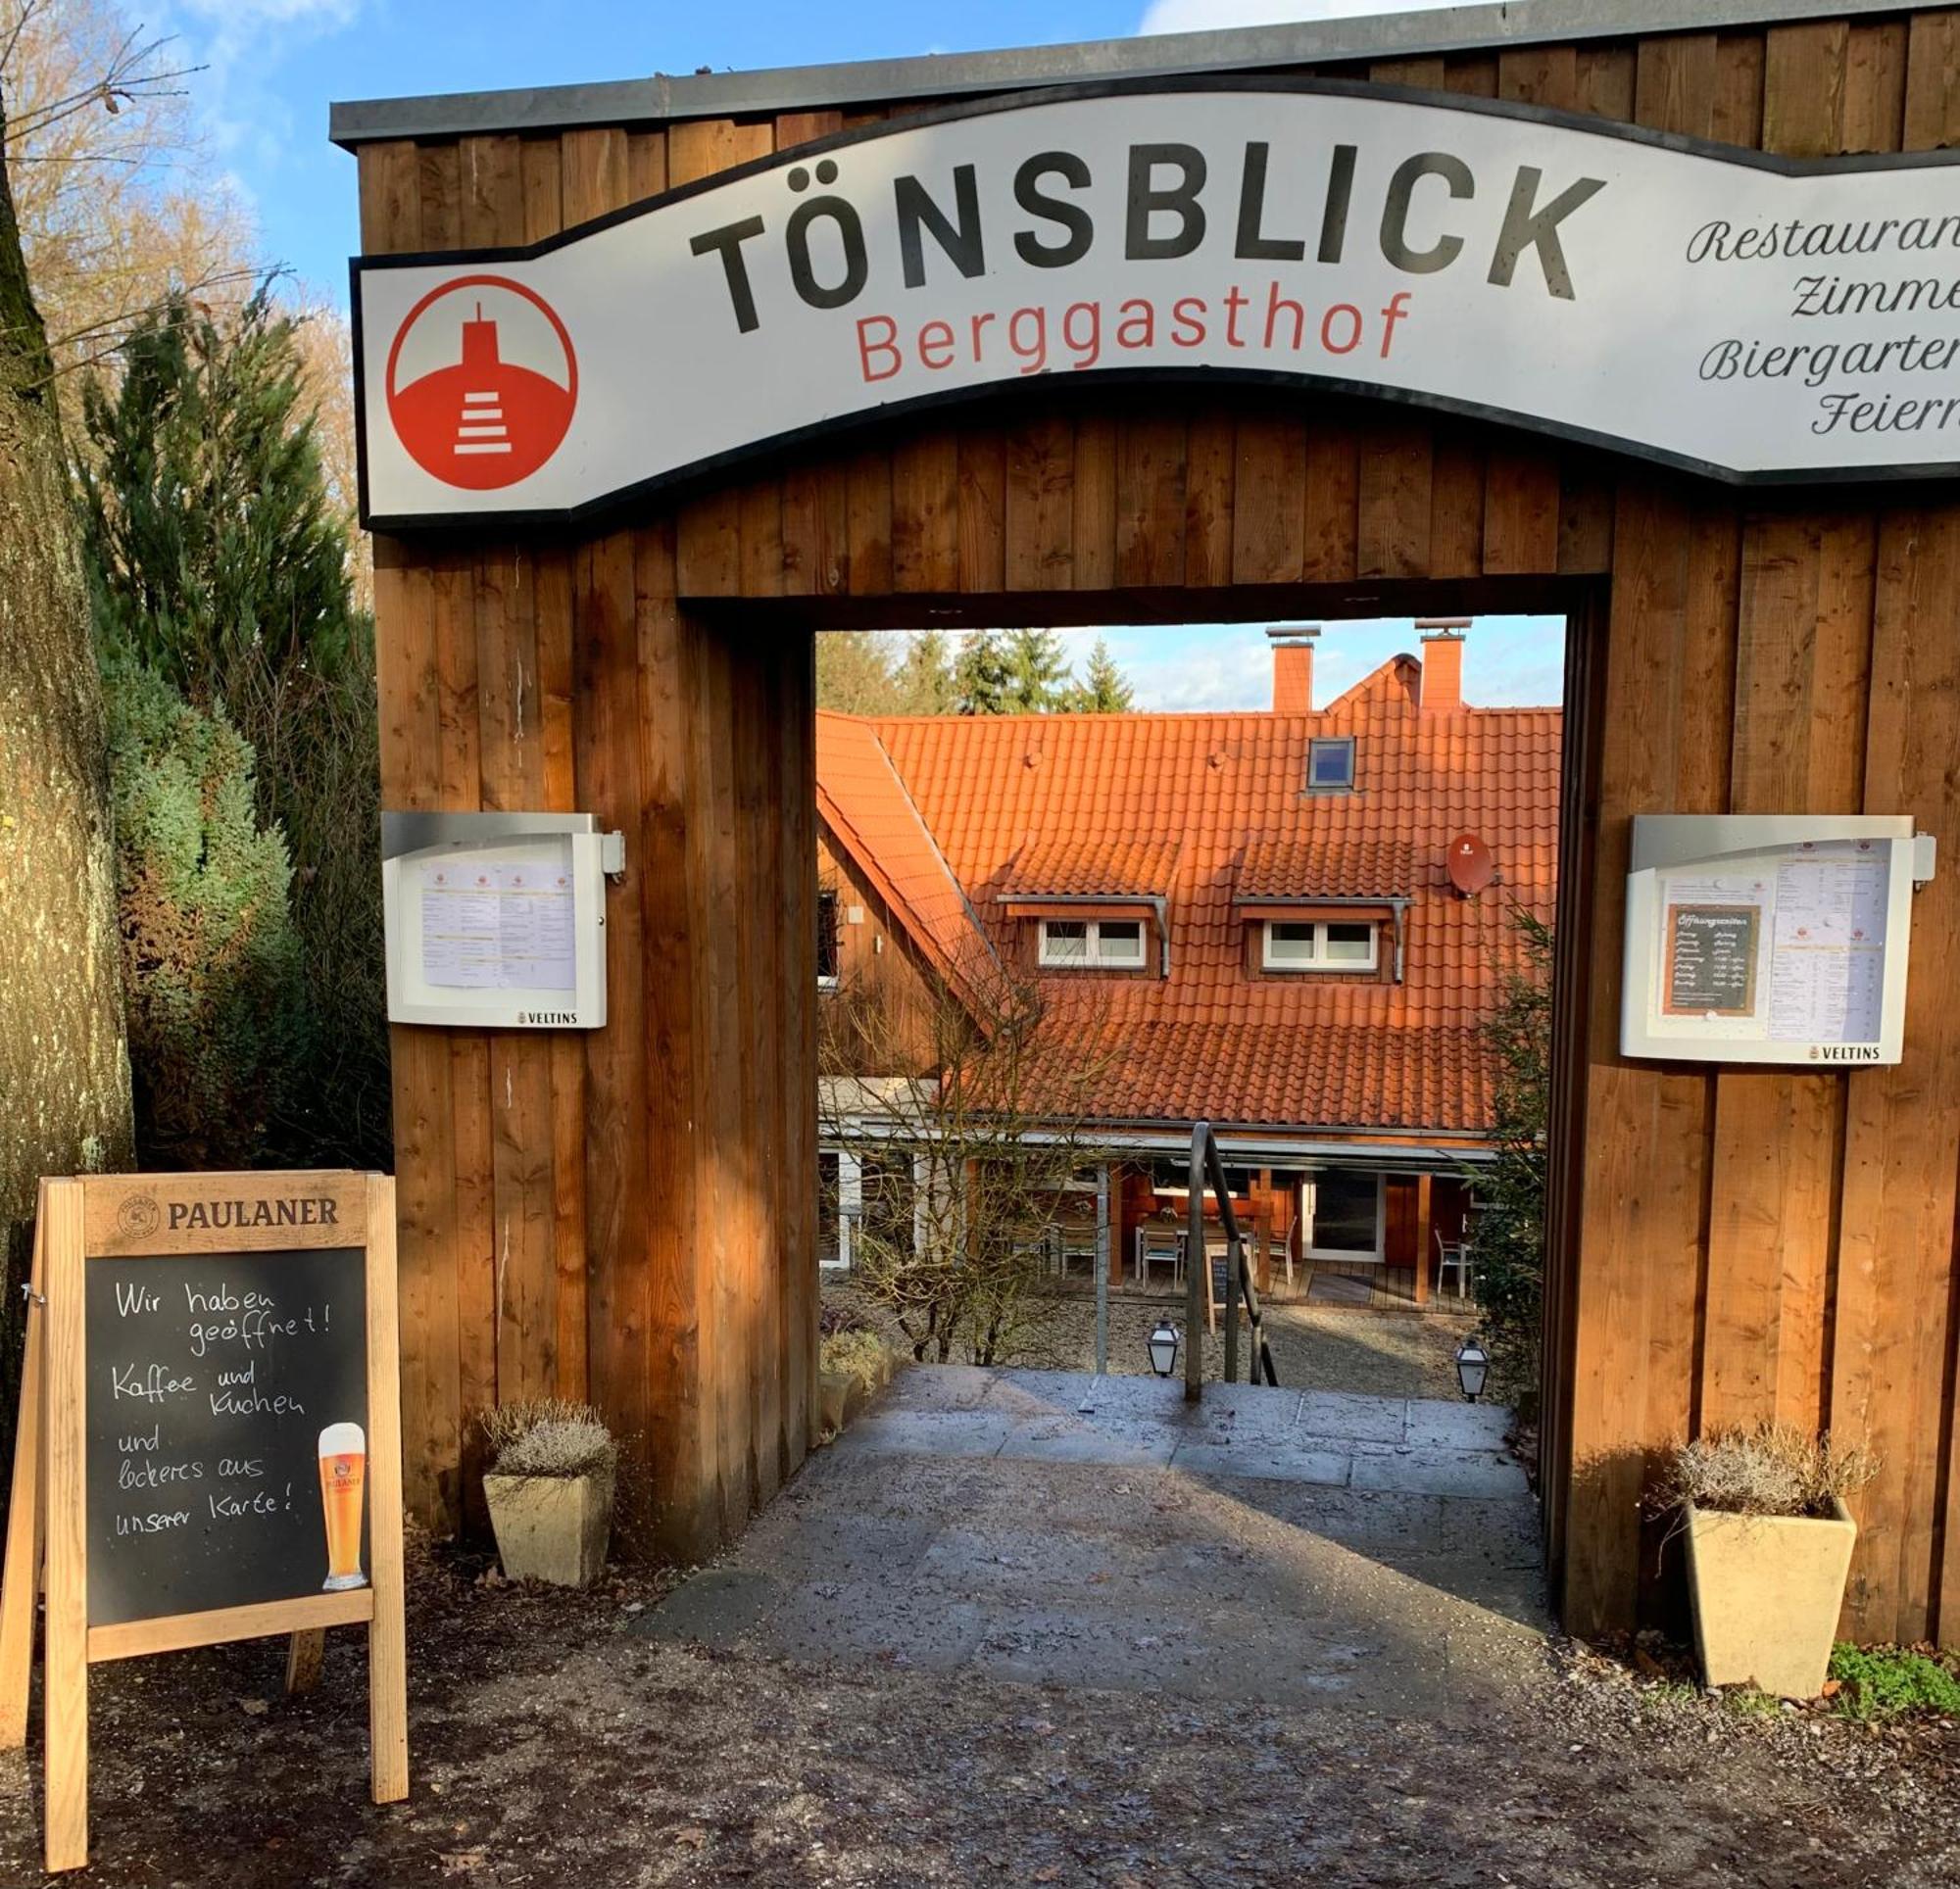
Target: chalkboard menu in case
1711,960
212,1378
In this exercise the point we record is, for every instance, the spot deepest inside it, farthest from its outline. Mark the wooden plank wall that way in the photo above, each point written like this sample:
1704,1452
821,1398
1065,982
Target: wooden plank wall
1735,1245
572,1225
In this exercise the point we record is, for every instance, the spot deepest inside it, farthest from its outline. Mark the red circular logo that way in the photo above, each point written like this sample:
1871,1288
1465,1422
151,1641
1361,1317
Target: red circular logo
481,382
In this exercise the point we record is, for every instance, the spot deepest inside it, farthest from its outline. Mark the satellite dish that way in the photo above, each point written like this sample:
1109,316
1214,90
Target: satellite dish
1471,866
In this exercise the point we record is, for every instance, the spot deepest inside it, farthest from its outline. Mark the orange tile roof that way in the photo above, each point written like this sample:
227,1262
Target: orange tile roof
1327,865
861,799
1212,809
1118,864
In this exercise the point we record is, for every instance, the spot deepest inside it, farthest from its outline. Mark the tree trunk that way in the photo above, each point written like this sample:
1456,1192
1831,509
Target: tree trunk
64,1063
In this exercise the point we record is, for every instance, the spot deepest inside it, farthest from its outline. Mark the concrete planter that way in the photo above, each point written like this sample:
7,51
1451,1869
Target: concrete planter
1767,1590
839,1396
552,1528
843,1394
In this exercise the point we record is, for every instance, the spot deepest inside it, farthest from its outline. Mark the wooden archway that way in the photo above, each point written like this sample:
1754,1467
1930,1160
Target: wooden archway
632,1213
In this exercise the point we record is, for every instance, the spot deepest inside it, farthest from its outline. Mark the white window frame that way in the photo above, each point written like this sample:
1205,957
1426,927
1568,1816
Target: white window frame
836,942
1091,957
1320,961
850,1204
1313,748
1309,1190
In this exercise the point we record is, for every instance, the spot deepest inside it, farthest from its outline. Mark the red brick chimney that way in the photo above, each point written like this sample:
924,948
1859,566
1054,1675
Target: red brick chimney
1442,663
1292,668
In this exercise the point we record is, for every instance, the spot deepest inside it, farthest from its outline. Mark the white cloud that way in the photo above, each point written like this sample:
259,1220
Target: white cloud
237,43
1197,16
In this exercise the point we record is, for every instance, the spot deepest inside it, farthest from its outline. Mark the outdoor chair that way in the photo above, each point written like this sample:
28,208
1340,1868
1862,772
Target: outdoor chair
1073,1243
1452,1253
1279,1246
1159,1245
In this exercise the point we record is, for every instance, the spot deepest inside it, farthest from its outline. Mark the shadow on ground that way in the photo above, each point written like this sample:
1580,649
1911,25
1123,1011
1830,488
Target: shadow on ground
1270,1546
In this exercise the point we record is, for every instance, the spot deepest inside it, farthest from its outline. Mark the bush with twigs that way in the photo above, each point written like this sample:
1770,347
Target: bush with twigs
1772,1469
548,1437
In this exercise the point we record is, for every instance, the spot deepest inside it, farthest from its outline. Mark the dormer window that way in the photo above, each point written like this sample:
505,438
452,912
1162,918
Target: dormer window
1330,764
1330,946
1081,943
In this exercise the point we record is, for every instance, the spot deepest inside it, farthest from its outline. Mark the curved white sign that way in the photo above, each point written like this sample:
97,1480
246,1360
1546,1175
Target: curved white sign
1741,316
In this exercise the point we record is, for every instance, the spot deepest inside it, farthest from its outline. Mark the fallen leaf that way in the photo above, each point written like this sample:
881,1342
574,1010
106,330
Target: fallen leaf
693,1835
255,1707
460,1863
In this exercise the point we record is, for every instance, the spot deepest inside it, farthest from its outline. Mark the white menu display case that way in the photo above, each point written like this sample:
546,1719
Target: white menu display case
1770,938
497,920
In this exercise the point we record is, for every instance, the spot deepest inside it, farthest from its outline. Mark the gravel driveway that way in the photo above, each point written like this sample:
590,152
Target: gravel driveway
557,1747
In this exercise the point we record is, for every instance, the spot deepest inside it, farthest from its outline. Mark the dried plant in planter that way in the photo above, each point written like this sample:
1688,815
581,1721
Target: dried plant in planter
1773,1468
550,1489
548,1437
1769,1550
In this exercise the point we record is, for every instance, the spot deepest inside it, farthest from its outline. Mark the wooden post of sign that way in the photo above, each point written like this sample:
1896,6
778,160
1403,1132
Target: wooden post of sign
64,1660
387,1642
21,1573
305,1659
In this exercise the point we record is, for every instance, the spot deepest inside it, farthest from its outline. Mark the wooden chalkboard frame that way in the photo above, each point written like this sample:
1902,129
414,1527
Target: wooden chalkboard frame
128,1216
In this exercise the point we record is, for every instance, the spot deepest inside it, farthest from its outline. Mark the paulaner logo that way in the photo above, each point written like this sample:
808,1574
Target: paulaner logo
482,382
211,1215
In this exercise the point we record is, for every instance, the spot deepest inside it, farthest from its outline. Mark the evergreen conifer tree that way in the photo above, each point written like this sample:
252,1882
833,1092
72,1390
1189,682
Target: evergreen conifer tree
210,964
1038,672
983,680
218,561
1105,690
926,683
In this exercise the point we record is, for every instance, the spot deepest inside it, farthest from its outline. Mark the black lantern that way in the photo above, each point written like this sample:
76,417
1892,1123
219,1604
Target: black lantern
1163,1348
1473,1366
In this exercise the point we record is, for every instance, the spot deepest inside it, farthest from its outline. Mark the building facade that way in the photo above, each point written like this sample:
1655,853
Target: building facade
1248,919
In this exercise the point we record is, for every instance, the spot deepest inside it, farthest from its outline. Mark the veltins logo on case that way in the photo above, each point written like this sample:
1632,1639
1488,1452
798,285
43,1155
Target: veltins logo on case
138,1217
482,382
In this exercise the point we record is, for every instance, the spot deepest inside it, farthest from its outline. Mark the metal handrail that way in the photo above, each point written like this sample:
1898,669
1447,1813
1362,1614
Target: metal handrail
1207,1167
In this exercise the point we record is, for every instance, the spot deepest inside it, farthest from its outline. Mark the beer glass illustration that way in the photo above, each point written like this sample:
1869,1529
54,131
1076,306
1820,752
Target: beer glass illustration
343,1475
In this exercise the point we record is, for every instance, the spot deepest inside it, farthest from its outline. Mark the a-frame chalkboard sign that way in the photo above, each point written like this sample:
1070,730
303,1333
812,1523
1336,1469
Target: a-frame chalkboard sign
209,1444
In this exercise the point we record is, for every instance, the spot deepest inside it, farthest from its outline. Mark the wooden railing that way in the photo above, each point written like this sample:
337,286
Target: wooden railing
1207,1169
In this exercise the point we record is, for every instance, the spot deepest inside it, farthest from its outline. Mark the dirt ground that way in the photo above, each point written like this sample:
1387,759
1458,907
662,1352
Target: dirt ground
556,1744
1371,1353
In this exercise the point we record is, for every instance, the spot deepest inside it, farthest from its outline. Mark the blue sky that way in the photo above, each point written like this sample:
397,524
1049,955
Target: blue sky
272,67
1507,659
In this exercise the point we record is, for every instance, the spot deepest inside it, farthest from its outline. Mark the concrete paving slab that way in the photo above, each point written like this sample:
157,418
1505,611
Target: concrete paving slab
941,1387
1118,1444
716,1608
1225,1654
1438,1471
860,1620
1339,1413
1457,1425
894,1430
1503,1530
1236,1550
828,1545
1264,1462
1381,1523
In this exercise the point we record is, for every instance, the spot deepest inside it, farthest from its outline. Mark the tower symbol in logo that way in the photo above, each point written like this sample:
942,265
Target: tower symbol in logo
482,382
